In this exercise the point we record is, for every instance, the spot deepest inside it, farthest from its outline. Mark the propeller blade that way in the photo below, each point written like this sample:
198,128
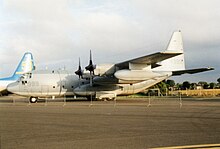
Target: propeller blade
90,67
90,58
79,72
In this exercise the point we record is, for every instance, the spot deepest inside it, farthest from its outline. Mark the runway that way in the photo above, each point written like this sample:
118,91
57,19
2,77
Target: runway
125,123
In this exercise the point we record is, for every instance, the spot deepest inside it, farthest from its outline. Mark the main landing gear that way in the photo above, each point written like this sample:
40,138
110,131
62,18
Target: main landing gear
33,99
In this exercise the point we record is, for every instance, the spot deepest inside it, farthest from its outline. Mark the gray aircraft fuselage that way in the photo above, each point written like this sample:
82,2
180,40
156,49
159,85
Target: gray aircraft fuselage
56,83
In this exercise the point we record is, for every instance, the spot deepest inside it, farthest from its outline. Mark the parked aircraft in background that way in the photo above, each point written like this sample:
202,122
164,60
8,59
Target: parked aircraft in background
26,64
109,80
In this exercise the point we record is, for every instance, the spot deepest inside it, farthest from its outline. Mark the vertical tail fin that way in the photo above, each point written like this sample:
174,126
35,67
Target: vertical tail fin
175,46
176,43
26,64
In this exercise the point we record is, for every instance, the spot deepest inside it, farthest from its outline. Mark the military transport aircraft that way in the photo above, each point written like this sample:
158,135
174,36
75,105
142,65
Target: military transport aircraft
26,64
109,80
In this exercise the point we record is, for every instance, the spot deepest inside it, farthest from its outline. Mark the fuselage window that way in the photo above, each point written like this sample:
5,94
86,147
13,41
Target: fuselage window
53,86
24,82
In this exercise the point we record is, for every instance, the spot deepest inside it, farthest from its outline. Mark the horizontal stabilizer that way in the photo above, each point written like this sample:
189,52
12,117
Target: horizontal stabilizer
191,71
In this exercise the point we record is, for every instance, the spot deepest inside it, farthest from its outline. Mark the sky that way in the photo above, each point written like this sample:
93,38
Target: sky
58,32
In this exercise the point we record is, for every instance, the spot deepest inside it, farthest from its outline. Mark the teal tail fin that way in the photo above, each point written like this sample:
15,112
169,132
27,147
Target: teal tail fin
26,64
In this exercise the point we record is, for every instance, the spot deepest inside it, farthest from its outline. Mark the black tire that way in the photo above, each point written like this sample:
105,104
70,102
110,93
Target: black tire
33,99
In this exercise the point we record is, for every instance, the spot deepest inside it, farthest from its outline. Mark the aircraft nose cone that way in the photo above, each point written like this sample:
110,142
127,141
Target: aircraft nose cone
13,87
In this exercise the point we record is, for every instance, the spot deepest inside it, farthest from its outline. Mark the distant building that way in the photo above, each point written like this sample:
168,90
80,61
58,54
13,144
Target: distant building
199,87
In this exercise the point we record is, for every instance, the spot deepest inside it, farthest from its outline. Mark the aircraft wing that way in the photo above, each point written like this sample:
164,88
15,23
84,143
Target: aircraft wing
151,59
191,71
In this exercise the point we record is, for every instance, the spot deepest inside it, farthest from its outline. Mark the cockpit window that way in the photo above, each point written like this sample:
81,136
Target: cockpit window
24,82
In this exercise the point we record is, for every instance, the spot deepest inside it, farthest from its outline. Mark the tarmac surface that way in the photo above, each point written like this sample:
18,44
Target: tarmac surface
125,124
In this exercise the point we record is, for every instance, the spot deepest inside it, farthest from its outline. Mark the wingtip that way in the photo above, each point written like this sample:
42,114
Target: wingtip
210,68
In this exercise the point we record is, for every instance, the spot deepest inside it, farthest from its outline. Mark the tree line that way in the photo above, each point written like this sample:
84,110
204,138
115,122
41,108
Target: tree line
172,86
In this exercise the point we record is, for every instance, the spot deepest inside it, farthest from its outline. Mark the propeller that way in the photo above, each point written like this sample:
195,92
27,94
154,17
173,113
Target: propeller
91,67
79,72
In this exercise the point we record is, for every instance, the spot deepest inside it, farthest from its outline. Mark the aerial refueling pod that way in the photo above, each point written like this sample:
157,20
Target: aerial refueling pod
137,75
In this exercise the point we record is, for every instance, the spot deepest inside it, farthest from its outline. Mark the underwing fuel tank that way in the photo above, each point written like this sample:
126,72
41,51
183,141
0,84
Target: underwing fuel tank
137,75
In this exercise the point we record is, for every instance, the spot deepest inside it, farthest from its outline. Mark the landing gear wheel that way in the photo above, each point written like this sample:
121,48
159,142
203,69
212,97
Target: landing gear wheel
33,99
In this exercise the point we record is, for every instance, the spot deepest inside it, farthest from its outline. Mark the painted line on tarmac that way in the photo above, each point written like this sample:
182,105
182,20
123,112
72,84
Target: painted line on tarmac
207,146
